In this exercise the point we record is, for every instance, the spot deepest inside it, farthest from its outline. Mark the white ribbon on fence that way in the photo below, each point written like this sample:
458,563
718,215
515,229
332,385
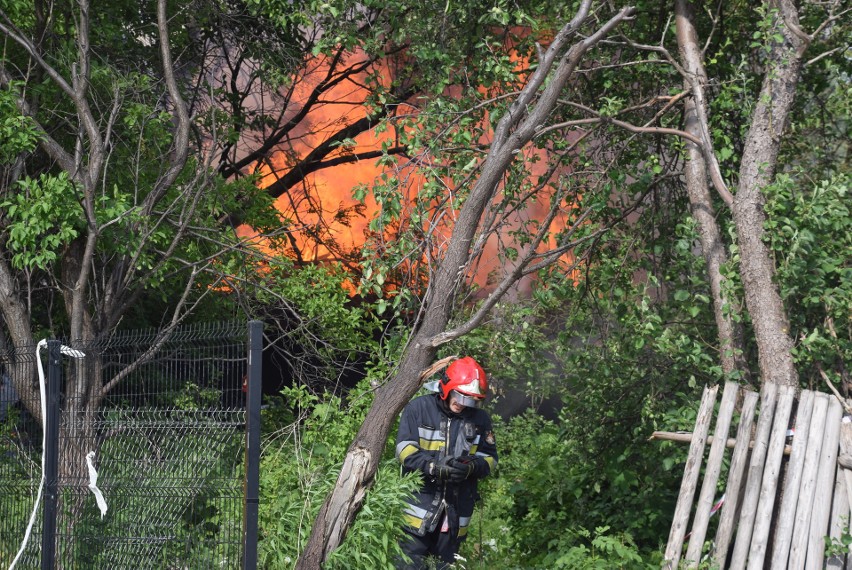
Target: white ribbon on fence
93,484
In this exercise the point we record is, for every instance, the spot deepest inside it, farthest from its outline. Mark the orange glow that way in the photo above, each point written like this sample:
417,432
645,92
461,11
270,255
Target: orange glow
331,188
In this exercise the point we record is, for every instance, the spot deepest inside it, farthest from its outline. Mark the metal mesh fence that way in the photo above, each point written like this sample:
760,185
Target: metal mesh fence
20,451
153,424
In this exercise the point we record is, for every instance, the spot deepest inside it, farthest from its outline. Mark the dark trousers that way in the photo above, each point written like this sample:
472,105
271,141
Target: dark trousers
436,543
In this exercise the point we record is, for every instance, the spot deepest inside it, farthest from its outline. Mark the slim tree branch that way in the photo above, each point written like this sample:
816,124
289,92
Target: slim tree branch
180,144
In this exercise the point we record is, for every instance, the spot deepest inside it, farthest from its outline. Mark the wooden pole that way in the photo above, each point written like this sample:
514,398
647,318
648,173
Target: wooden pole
769,396
711,474
736,474
769,483
786,516
690,479
686,437
839,518
802,523
824,486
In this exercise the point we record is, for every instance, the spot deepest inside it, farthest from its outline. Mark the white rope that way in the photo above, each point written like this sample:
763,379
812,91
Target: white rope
41,344
43,397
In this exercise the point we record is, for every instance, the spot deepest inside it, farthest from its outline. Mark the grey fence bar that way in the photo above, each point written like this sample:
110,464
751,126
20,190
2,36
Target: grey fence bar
51,455
255,369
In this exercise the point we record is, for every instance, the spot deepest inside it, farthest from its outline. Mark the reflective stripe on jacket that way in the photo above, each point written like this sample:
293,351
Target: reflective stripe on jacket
427,433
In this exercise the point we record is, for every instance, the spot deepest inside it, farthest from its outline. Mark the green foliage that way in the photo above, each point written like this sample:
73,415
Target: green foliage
818,143
18,133
195,397
605,552
511,349
307,436
808,228
536,512
321,317
625,344
839,546
622,346
145,249
43,217
623,352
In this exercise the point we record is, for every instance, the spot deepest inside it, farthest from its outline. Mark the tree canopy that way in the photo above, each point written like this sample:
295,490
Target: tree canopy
608,204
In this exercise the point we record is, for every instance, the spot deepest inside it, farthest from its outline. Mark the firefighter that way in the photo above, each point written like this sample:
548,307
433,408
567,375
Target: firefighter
447,437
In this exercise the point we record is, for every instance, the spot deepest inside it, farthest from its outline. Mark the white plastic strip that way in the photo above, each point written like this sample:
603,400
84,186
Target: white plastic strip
41,344
93,484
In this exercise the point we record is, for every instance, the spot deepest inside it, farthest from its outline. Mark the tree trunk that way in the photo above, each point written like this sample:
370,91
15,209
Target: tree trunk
757,170
362,458
514,130
17,319
712,246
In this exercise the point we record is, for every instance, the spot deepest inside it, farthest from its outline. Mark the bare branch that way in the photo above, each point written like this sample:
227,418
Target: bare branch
695,77
180,144
80,82
630,127
10,30
518,108
163,336
332,78
827,22
314,160
825,54
698,94
509,280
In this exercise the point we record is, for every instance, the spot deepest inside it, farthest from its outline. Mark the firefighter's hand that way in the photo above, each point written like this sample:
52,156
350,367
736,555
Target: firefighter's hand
473,465
464,464
446,469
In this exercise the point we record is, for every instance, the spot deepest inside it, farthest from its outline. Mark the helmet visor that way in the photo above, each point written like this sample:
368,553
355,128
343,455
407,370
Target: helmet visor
467,401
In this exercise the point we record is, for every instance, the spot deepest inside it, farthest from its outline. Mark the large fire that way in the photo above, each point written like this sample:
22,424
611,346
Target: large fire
322,194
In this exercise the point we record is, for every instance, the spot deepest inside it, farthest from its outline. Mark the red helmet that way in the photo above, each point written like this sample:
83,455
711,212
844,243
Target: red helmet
467,379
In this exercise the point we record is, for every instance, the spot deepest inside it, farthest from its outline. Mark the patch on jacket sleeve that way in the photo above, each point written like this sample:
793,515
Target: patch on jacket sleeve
489,438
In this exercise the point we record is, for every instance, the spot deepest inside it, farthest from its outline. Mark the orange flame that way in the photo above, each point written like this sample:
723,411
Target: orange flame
333,186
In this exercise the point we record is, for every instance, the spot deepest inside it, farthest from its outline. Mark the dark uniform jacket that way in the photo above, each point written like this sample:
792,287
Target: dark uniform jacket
428,431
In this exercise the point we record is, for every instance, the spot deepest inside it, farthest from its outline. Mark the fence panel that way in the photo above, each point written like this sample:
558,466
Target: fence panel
151,455
793,513
20,455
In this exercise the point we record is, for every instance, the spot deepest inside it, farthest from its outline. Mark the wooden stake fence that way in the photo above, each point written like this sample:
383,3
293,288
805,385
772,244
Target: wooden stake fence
780,501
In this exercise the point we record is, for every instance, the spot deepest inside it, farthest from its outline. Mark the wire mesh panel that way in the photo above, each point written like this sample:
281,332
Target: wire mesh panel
20,452
151,445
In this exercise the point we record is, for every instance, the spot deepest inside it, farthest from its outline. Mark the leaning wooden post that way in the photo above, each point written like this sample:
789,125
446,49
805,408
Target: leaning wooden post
711,473
787,514
690,478
839,518
769,482
736,474
802,522
845,457
769,395
824,486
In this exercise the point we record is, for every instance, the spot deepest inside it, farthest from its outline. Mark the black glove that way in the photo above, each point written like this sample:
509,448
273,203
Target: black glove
472,465
464,465
446,469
